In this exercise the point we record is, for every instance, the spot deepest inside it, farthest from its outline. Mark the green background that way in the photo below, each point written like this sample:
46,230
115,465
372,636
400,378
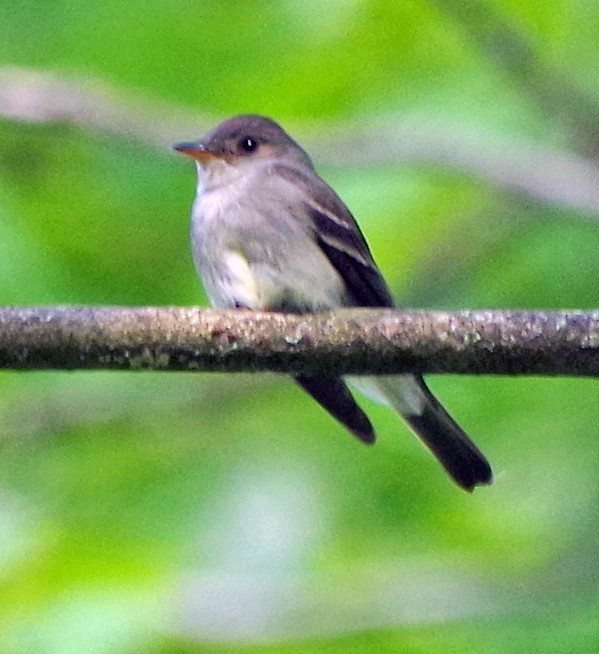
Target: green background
176,513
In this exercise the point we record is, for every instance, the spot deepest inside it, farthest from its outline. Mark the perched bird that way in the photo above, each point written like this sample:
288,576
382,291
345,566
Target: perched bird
268,233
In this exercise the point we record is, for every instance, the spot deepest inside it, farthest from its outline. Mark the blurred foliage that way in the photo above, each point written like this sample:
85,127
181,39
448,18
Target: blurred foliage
171,514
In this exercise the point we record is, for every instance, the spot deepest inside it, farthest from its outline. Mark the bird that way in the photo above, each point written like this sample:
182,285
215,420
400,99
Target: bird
268,233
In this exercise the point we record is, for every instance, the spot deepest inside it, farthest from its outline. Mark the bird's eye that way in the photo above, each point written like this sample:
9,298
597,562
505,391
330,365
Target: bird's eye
248,144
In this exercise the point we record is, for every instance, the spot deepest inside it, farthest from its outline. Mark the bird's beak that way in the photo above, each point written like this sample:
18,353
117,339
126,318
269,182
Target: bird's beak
196,151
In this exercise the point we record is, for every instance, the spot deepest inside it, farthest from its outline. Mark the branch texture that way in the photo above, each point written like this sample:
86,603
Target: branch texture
348,341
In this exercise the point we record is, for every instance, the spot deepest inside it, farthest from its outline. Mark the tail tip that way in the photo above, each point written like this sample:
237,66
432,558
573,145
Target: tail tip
470,479
367,436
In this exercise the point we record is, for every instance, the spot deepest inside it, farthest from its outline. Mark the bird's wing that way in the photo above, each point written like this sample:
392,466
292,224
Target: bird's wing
340,238
334,396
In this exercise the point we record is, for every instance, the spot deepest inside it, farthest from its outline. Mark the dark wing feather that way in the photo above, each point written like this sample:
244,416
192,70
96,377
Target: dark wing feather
334,396
365,285
341,240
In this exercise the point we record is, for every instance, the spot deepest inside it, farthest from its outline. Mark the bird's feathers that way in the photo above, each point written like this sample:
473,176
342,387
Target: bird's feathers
449,443
340,238
269,233
334,396
411,398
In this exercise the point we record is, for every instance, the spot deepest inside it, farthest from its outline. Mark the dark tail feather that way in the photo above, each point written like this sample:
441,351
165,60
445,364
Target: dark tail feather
450,444
334,396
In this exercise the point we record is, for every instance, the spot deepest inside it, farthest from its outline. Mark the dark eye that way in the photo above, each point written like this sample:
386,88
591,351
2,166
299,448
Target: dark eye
248,144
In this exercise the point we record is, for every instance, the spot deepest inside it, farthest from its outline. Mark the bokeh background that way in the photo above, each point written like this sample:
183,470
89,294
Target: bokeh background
184,513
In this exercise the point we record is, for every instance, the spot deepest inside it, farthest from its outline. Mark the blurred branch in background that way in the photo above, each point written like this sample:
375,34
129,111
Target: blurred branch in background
348,341
43,97
502,39
547,174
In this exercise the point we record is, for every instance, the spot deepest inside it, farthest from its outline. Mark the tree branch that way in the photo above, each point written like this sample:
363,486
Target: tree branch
347,341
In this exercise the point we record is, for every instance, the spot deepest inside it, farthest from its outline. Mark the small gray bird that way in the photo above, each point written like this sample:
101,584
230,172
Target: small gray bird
268,233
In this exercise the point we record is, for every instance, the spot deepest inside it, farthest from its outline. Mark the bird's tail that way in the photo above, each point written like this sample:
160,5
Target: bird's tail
410,397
